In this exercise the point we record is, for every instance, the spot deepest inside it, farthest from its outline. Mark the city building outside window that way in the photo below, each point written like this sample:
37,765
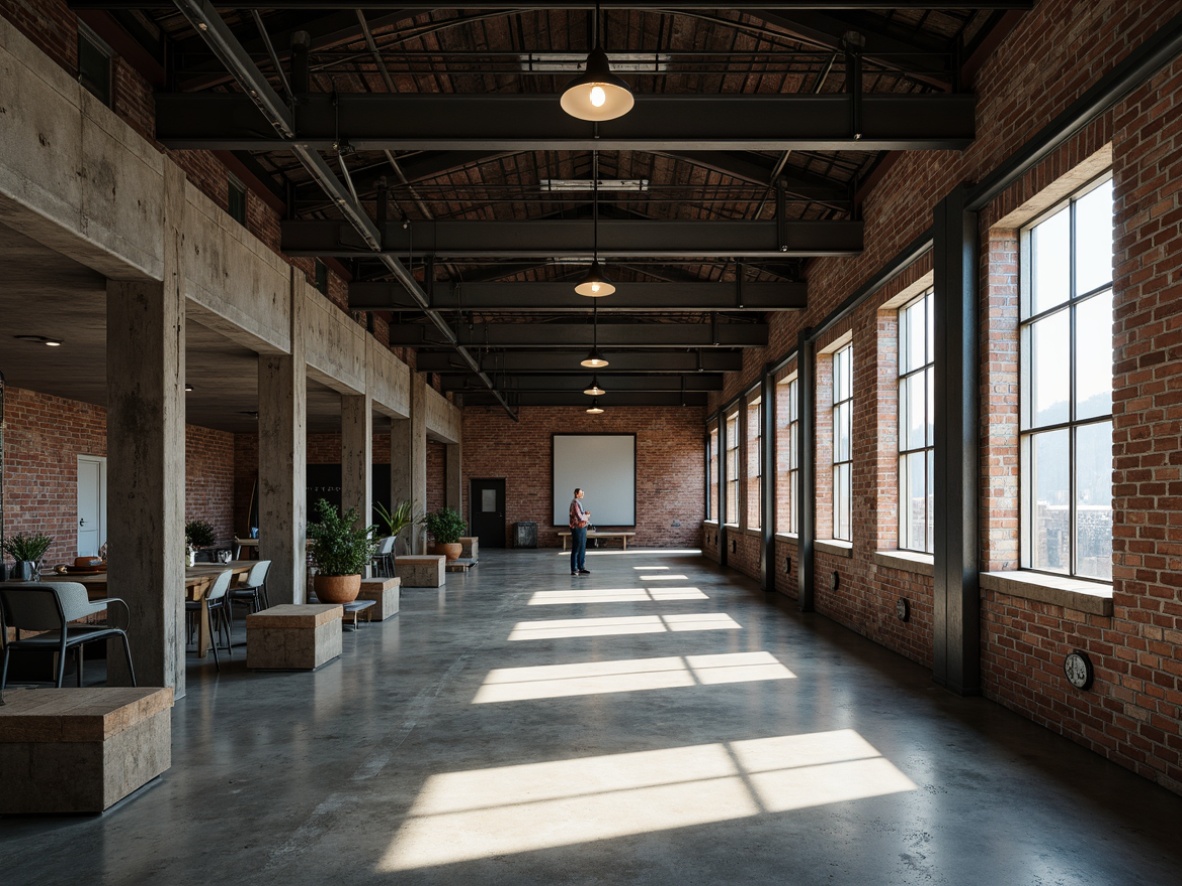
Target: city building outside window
916,442
788,467
754,462
732,468
843,432
1066,383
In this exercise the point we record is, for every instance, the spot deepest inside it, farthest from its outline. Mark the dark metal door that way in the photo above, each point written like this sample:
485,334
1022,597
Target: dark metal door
487,518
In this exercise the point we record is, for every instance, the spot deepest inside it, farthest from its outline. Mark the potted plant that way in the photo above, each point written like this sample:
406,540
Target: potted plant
198,534
446,526
27,551
341,550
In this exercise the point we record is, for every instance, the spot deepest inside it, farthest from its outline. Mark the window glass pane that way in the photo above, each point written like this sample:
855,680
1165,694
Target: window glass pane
841,431
94,68
841,499
914,508
1048,476
931,531
1093,236
1050,277
912,330
842,374
1093,348
931,408
1049,376
912,406
1093,500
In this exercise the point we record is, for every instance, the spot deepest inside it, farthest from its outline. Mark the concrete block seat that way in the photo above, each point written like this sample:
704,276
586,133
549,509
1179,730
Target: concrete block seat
385,594
471,548
81,750
290,637
422,570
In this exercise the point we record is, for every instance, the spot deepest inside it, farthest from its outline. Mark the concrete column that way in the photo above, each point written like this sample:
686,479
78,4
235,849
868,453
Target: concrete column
357,456
283,457
145,456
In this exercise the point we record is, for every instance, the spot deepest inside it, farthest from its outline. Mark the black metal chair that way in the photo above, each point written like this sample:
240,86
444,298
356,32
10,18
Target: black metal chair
52,608
383,557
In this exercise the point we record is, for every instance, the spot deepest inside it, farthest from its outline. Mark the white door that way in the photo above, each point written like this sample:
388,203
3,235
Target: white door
92,504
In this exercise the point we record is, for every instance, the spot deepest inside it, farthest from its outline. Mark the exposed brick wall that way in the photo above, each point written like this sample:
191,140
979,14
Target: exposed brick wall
669,467
437,476
43,438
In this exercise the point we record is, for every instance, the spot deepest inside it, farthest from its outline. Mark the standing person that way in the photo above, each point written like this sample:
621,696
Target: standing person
579,518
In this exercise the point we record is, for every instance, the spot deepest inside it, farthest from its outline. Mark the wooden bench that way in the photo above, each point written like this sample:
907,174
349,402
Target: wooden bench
564,534
355,608
81,750
290,637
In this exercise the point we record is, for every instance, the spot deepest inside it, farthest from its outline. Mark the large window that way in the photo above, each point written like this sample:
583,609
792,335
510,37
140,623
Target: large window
843,450
788,463
916,465
712,475
732,468
754,462
94,64
1066,371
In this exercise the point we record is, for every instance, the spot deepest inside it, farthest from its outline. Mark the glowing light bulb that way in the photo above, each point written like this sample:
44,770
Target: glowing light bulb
595,286
598,96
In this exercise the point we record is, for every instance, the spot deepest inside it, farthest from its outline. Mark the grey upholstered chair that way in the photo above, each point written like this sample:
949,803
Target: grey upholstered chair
219,612
52,608
253,590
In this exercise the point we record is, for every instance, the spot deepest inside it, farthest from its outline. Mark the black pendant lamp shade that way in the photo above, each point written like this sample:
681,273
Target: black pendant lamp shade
598,94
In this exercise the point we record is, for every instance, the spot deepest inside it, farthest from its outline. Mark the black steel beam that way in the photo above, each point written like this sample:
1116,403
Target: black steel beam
561,297
535,361
618,238
806,477
582,401
577,382
611,335
230,121
579,4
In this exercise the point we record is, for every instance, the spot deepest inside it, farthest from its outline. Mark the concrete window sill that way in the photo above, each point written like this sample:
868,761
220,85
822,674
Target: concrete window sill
788,536
834,546
906,561
1070,593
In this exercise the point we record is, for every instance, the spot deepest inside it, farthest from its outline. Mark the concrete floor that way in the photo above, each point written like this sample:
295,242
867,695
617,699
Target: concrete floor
659,721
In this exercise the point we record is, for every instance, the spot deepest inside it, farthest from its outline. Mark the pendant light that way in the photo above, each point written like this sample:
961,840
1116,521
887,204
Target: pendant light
595,408
598,94
595,390
594,360
595,284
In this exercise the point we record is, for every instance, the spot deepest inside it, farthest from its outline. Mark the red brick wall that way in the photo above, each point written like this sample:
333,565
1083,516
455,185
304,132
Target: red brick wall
670,474
437,476
43,438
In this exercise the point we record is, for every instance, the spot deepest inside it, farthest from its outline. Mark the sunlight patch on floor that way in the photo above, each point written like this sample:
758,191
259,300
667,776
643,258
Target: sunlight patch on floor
461,816
650,567
628,675
664,578
561,628
615,595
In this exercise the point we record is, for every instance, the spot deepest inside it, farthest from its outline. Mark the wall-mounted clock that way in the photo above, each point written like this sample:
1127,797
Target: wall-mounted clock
1078,668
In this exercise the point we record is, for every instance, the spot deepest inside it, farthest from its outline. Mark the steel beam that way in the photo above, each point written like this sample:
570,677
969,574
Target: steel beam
230,121
561,297
485,398
537,361
581,4
618,238
614,335
576,382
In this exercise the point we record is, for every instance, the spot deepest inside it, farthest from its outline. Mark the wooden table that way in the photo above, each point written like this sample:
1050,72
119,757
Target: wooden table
198,580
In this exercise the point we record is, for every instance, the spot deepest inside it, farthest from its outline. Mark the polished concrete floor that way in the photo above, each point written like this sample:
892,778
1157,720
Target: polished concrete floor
660,721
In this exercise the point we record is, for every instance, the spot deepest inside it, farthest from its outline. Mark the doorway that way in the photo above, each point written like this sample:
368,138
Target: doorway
487,517
92,504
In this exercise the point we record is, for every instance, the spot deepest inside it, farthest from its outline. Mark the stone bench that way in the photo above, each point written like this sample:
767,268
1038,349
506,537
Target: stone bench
384,592
290,637
422,570
81,750
564,534
471,547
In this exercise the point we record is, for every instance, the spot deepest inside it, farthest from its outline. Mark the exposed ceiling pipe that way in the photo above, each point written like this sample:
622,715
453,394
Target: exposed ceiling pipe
222,42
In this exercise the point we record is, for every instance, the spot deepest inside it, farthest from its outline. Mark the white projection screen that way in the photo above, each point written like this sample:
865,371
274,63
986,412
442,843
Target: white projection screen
604,466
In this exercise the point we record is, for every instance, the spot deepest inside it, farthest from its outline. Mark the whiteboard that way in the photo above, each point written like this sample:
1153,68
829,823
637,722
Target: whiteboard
604,466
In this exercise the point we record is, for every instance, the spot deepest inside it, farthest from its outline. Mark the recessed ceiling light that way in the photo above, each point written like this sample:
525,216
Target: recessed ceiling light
574,62
586,184
41,340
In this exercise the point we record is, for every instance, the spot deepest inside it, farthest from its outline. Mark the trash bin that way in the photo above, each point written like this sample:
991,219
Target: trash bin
525,535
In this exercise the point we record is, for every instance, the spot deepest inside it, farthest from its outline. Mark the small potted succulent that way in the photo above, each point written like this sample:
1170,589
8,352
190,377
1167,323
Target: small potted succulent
27,551
341,549
446,526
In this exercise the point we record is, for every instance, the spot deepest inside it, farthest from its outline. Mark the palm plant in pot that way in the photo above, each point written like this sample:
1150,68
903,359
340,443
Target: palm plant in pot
27,551
446,526
341,549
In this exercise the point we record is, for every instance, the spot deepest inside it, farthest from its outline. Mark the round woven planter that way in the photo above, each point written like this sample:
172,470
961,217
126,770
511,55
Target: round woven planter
337,588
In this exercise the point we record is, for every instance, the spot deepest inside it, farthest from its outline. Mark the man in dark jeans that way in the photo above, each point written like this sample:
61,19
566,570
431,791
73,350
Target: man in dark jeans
579,518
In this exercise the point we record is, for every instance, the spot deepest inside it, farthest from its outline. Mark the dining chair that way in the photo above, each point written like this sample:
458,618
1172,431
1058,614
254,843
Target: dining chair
219,612
253,589
52,608
383,557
